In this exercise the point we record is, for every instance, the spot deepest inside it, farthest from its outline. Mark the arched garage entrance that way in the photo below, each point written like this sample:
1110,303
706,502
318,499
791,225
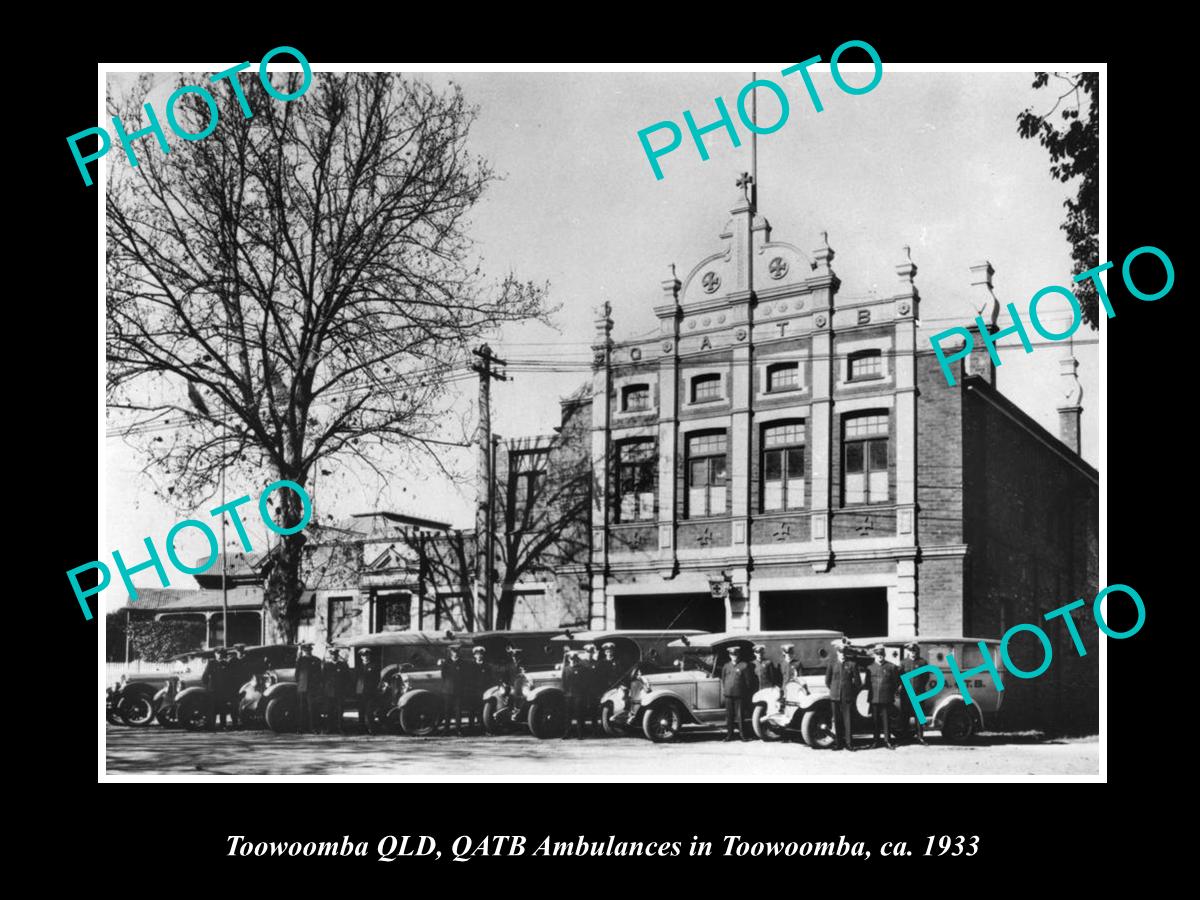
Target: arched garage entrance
859,612
700,611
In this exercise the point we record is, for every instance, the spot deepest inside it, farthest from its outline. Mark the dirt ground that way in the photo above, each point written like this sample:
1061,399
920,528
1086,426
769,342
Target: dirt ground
697,757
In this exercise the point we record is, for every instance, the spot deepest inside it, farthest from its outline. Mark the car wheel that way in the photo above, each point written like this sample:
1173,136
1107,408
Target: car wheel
138,711
113,713
548,718
377,717
817,727
611,728
958,724
165,715
662,723
762,730
194,712
281,714
490,725
419,717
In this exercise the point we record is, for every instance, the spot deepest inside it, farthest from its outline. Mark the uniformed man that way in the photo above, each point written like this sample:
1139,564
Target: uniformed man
913,660
308,689
738,687
591,681
608,675
453,682
842,679
239,674
766,671
790,666
213,680
883,678
576,694
366,687
476,680
334,675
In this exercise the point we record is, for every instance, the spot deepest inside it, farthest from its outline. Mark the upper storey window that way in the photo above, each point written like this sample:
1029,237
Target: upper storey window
706,387
783,377
635,398
864,365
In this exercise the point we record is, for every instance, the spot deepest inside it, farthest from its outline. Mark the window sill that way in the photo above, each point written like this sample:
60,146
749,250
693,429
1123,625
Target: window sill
706,402
865,378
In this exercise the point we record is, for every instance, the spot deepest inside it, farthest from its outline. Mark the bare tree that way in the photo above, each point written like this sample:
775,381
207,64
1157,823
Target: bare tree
295,288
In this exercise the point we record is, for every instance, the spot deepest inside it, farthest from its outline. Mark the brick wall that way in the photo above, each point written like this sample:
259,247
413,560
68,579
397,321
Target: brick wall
1031,519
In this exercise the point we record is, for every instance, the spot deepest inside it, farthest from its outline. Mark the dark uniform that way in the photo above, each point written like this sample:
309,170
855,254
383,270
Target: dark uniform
577,693
366,688
768,674
239,673
213,680
476,680
843,682
308,692
883,678
738,686
334,674
607,675
919,684
454,677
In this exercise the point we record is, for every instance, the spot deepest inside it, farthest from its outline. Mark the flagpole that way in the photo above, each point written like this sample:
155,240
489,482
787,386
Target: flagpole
224,513
754,144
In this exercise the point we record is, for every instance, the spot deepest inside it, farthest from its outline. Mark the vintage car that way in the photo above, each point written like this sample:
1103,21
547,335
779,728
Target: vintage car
804,708
413,701
134,699
662,704
636,652
506,704
186,701
400,653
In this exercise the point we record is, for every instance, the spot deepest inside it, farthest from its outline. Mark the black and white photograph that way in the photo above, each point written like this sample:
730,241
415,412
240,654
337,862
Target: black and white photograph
621,423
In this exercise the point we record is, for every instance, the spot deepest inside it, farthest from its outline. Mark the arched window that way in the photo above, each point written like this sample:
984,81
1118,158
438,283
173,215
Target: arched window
706,387
706,474
865,364
865,457
635,398
783,465
783,376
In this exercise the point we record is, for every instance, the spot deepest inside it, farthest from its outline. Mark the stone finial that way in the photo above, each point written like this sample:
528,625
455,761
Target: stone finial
1072,390
907,270
983,300
671,287
823,255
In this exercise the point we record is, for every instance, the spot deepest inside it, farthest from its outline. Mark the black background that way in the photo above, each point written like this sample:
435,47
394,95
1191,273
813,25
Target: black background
1031,834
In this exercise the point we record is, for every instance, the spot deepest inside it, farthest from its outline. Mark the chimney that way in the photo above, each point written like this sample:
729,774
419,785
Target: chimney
1071,411
985,306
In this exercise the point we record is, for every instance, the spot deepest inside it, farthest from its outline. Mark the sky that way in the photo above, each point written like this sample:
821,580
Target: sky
929,160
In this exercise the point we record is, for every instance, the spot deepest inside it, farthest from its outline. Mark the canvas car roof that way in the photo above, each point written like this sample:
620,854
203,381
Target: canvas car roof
397,639
707,641
923,639
593,636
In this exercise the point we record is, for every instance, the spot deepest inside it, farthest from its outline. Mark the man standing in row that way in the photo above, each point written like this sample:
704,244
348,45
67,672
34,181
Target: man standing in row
913,660
478,679
577,693
767,672
738,687
454,683
334,675
308,688
366,687
841,677
883,680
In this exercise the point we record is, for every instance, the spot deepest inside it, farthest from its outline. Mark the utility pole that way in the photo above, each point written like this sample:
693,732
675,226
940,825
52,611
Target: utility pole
483,510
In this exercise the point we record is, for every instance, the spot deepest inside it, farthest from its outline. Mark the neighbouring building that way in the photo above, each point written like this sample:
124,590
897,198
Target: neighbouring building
779,456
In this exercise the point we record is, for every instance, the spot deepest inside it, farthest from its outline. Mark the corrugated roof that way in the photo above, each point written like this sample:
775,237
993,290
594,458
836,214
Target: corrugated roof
186,599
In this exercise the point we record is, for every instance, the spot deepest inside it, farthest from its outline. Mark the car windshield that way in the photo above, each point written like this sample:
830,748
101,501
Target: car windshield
695,661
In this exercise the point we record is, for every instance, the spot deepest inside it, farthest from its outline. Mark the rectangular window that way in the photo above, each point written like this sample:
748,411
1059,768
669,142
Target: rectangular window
341,618
783,467
392,612
867,364
525,472
636,467
865,459
706,387
783,377
706,475
637,398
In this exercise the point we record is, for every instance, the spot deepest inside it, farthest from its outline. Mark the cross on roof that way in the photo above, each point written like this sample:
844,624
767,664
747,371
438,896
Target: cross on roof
745,179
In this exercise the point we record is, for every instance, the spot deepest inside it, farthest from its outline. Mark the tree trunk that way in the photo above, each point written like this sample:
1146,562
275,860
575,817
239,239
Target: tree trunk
504,609
284,584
